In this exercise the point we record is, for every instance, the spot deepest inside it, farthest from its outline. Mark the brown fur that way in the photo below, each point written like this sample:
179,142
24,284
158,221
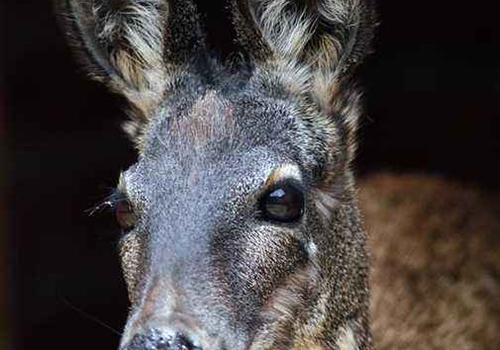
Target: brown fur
436,263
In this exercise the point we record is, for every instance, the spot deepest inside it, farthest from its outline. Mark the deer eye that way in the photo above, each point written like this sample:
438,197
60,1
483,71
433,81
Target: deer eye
283,203
124,214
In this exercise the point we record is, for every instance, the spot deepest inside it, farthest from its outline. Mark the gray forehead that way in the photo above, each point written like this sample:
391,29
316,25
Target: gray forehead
230,132
189,188
249,168
212,123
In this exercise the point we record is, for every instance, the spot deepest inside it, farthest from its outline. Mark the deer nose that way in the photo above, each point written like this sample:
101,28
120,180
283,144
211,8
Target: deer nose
154,339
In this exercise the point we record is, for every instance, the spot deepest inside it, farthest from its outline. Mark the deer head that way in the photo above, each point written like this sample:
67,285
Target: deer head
239,219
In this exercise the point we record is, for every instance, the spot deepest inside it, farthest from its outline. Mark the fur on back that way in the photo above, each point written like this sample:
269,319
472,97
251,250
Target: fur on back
436,263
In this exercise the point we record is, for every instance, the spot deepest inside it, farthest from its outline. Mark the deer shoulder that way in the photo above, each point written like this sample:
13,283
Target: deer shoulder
436,267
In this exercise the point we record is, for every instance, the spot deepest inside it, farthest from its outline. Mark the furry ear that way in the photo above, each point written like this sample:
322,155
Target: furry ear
329,37
311,47
328,34
133,46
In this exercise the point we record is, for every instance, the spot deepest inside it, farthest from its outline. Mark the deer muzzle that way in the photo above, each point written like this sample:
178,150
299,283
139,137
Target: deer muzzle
154,339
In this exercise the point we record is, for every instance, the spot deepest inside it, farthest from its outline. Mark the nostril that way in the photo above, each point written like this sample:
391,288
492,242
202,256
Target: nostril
180,342
155,340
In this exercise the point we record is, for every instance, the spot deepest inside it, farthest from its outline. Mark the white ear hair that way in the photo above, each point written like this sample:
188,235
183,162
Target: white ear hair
346,340
134,46
122,45
329,35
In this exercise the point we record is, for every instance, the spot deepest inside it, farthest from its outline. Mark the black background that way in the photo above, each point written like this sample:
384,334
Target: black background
432,95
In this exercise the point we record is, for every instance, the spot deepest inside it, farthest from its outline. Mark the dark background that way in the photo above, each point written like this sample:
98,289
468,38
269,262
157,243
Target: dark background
432,95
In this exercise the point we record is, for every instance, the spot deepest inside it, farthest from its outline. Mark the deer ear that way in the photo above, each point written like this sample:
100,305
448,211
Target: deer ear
328,34
329,37
127,44
312,47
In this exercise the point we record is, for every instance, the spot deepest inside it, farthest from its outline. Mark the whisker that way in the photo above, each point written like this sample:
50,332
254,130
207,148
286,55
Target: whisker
108,203
90,317
99,207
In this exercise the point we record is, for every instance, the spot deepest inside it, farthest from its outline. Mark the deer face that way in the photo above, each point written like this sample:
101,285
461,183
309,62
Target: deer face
240,228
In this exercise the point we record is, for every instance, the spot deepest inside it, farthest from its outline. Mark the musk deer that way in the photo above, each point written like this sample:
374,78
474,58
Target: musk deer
241,227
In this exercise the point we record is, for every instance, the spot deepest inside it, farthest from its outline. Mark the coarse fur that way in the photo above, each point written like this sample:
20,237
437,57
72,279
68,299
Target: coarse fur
213,138
436,267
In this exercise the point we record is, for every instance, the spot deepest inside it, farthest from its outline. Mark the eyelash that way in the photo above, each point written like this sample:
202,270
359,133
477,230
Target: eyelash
109,204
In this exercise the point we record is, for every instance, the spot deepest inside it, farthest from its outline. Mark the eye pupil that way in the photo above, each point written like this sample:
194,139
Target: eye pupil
285,203
125,215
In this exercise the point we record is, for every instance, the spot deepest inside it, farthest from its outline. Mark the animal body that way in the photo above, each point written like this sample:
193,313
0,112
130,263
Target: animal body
240,219
435,281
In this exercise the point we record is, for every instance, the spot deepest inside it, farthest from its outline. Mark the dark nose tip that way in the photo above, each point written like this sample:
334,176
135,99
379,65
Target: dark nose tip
155,340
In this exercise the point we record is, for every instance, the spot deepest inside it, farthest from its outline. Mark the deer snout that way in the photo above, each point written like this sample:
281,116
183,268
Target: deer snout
175,332
165,316
154,339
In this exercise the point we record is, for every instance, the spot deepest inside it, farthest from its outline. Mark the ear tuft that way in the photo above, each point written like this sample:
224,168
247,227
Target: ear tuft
331,35
138,48
121,44
132,34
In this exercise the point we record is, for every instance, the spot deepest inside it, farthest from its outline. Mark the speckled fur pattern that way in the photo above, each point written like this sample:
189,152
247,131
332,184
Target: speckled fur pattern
212,139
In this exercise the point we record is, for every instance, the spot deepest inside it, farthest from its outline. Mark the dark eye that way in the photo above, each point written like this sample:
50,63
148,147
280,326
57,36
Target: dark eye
284,203
125,215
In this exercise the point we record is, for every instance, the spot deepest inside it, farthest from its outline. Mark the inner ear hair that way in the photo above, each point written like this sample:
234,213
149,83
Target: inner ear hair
134,46
331,35
120,41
